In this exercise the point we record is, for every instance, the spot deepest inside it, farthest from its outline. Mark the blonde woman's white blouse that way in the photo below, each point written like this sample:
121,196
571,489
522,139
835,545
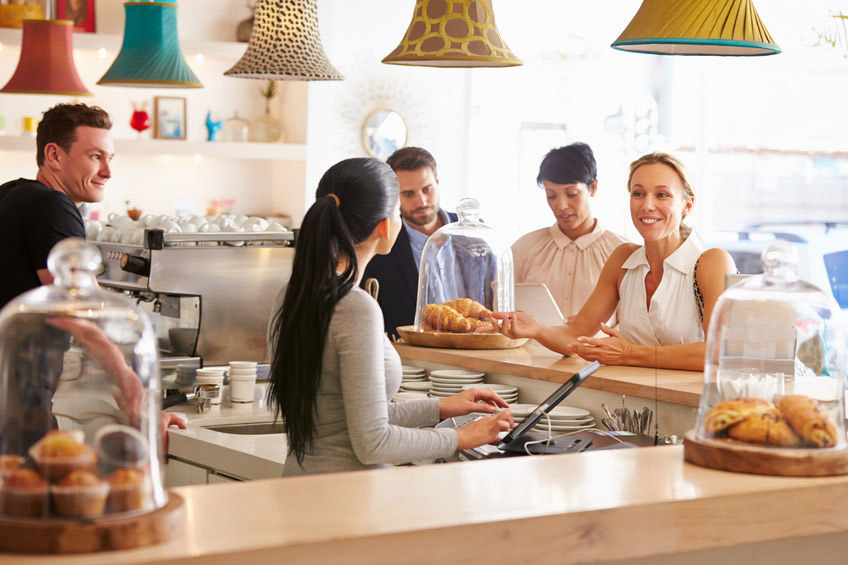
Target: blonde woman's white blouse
569,267
673,317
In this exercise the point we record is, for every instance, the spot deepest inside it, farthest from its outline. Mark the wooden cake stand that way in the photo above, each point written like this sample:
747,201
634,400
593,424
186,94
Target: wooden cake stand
71,536
731,455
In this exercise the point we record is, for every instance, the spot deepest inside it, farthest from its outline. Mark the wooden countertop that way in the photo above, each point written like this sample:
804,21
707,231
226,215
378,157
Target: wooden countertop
536,362
597,506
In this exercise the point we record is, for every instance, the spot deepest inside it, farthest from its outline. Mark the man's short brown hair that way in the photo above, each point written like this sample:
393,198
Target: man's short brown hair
59,125
412,159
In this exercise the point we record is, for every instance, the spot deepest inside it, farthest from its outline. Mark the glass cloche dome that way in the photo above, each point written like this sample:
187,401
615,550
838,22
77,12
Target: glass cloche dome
465,273
775,363
80,398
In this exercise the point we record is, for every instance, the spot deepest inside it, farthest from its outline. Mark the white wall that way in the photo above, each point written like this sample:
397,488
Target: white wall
161,184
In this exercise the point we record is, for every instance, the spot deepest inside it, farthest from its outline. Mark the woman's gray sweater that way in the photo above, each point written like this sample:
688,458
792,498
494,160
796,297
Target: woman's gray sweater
357,427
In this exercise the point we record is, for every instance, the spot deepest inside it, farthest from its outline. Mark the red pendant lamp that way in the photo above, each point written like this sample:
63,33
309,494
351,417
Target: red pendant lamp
46,64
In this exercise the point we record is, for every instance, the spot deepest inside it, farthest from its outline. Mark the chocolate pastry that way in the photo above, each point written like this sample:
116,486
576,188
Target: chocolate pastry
803,414
767,427
725,414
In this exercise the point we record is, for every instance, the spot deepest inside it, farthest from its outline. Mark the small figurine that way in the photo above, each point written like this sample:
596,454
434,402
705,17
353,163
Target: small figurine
212,127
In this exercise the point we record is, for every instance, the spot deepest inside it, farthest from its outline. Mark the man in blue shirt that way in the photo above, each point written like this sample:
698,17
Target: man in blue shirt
397,272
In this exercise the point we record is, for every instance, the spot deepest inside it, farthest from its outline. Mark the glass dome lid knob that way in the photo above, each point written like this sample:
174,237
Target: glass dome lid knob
468,211
74,264
780,260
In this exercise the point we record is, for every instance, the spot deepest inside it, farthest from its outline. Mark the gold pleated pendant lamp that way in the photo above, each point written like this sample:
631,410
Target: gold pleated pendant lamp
697,27
453,33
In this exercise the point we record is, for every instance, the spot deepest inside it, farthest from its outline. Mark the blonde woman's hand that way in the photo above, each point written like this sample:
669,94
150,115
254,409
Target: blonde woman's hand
483,431
471,400
612,350
515,325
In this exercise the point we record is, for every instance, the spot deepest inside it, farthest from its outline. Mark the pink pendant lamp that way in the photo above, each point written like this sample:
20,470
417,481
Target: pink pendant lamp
46,64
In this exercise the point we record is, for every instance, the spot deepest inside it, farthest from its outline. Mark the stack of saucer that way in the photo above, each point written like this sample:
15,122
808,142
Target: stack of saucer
448,382
563,418
411,373
508,392
242,380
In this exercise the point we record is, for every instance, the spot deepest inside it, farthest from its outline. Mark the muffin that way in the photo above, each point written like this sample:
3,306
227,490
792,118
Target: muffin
120,447
9,463
80,494
23,493
129,490
60,452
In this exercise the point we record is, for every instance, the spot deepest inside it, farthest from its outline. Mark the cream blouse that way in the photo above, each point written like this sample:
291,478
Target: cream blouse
673,317
570,268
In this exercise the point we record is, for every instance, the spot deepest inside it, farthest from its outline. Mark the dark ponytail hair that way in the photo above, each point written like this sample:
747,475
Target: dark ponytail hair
353,196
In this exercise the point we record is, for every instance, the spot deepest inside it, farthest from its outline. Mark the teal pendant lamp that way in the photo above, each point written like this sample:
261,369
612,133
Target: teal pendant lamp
150,55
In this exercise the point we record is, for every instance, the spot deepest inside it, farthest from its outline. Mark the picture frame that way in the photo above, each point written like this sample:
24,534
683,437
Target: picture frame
81,12
169,117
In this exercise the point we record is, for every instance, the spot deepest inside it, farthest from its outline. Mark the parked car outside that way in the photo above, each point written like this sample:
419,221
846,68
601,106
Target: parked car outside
822,253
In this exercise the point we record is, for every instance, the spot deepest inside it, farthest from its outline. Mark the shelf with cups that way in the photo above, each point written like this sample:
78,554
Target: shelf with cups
231,50
220,149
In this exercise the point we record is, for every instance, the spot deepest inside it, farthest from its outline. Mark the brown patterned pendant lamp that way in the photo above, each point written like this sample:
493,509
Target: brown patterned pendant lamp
285,44
453,33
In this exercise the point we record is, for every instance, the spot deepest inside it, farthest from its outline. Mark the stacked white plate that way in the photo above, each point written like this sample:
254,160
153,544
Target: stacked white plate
415,386
411,373
508,392
447,382
563,418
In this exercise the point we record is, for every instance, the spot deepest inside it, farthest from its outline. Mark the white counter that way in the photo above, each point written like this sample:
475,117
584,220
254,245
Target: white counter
209,452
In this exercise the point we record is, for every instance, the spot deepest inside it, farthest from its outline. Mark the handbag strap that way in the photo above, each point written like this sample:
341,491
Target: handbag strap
699,297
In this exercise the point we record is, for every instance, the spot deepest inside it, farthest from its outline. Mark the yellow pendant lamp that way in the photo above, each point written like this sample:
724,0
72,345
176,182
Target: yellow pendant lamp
453,33
697,27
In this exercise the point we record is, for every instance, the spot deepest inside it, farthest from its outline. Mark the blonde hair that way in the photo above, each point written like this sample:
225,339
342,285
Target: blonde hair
675,165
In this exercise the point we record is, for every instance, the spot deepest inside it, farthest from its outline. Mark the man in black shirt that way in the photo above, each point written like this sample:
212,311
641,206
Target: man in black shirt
74,148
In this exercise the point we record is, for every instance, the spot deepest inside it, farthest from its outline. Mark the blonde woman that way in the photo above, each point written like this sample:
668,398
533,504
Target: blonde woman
664,290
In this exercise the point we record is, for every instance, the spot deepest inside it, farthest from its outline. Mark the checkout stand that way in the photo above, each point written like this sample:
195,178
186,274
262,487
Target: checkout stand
634,506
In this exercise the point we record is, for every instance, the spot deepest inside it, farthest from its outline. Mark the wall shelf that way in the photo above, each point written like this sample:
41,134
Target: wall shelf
218,149
232,50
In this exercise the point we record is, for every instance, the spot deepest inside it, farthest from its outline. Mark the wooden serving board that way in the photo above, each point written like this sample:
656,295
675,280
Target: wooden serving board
70,536
458,341
746,458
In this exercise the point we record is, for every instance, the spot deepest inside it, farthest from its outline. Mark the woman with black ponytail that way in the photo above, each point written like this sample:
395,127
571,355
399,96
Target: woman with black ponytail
333,371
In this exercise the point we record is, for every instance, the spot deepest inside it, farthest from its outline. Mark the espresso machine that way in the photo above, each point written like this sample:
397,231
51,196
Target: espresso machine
210,295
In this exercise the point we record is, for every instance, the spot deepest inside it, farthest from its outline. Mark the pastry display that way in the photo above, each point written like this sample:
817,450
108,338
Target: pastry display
462,315
796,421
80,494
23,493
79,480
60,452
129,489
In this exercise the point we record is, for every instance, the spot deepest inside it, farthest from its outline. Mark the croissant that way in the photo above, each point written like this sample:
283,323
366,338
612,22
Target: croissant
470,308
766,427
804,416
444,317
725,414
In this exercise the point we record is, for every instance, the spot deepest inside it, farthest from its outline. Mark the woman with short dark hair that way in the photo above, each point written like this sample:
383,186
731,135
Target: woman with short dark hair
333,370
569,255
